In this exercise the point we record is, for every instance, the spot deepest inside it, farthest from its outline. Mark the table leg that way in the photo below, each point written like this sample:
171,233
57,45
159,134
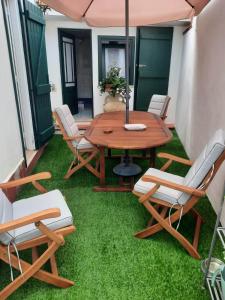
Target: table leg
152,157
102,165
103,187
144,153
109,153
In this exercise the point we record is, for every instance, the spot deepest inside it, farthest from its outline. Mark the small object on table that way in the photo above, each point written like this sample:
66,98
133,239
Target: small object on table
135,126
108,130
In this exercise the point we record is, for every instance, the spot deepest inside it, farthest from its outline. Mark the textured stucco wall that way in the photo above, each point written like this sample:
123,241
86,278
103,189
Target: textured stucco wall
10,145
201,97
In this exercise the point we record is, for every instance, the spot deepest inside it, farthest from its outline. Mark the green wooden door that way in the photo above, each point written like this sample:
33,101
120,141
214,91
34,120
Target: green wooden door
35,52
152,64
68,70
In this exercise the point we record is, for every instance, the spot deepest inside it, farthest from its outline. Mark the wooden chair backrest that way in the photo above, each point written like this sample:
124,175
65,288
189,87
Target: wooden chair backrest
164,115
63,131
159,105
212,172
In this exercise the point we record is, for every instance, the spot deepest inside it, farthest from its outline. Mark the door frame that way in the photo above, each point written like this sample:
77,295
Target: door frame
61,29
61,62
16,48
15,41
28,67
20,123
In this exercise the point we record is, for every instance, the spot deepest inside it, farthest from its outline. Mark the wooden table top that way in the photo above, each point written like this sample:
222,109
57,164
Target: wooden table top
154,135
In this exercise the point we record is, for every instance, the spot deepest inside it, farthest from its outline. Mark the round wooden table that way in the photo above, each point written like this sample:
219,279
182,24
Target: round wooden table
156,134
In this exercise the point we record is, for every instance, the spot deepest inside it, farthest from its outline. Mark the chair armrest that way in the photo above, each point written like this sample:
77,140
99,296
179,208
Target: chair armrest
72,138
25,180
83,126
33,218
175,158
175,186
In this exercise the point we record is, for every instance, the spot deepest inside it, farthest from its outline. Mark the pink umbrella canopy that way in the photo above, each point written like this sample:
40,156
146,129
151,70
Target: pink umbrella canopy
107,13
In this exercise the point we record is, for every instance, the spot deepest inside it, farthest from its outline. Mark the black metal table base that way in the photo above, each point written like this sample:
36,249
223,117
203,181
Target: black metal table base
127,168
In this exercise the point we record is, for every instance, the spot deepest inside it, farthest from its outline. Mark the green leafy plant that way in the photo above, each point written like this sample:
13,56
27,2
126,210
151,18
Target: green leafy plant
113,83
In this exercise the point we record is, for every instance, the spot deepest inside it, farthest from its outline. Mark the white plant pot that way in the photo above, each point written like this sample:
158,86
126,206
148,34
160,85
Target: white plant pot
114,103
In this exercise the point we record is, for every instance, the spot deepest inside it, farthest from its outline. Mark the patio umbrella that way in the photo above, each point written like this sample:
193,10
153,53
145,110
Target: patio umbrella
117,13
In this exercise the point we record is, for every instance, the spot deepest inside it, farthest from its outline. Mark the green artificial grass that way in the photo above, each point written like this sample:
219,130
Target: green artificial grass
103,257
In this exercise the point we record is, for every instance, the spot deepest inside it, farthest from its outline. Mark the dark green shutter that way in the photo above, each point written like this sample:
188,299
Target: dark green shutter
34,34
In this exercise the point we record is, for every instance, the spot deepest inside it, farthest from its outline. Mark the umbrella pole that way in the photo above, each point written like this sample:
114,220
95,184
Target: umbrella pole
127,168
127,59
126,158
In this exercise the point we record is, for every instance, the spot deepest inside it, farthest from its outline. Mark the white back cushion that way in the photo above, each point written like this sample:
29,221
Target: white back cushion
158,104
204,162
67,120
6,215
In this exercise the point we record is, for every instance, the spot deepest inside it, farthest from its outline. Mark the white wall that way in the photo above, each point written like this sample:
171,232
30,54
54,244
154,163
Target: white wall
175,64
201,98
10,145
55,22
20,71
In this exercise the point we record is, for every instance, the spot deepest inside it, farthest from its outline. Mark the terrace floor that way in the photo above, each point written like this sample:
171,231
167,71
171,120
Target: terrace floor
84,112
102,256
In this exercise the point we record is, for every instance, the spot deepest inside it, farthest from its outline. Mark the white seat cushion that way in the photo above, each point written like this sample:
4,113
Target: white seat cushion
71,127
194,177
84,144
6,215
25,207
163,193
204,162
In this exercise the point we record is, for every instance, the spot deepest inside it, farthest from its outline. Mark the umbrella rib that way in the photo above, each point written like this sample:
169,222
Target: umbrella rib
190,3
87,8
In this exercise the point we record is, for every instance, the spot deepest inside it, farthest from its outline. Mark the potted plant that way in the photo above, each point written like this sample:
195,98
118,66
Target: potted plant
115,86
113,83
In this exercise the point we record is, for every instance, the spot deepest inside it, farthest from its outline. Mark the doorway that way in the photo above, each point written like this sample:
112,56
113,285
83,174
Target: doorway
154,46
76,72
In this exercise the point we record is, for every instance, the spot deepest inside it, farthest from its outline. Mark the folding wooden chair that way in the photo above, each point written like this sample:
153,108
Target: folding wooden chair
162,193
83,151
159,105
29,223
